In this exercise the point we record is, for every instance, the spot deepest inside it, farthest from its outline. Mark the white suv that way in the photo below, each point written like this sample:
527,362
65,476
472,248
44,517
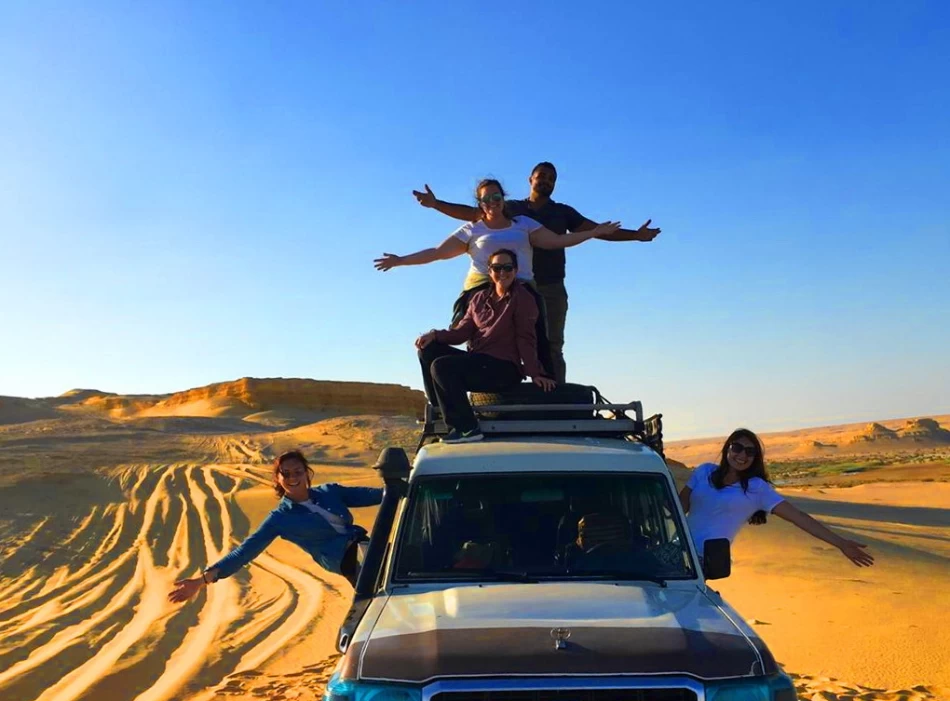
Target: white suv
550,561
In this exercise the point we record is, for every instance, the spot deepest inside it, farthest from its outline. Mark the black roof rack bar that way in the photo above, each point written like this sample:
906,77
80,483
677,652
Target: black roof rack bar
635,407
616,423
528,426
613,426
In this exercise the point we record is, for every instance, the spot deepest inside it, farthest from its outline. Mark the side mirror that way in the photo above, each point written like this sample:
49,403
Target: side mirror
717,559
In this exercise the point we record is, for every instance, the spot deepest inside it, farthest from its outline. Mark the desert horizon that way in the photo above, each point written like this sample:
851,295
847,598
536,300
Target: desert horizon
107,499
731,212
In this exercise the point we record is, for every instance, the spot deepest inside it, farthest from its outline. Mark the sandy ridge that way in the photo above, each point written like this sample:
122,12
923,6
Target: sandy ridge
177,519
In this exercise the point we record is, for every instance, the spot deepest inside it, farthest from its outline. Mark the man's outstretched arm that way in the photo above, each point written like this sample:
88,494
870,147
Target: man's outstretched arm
456,211
644,233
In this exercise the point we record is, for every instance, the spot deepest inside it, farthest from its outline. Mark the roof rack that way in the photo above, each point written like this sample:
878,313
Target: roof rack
605,419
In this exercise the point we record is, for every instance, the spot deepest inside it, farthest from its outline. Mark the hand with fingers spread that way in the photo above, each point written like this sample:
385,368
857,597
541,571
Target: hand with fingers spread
646,233
427,198
186,589
387,262
545,383
855,551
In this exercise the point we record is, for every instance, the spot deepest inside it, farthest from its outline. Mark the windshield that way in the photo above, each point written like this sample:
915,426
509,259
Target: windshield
555,525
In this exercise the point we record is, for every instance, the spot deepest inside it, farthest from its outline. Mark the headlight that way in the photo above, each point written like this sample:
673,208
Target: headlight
340,690
739,691
782,688
776,688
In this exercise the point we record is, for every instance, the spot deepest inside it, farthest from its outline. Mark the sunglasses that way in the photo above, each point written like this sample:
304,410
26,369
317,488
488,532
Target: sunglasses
501,267
737,448
494,197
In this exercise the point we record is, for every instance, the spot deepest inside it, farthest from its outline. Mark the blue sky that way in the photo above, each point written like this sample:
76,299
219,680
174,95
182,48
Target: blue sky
195,192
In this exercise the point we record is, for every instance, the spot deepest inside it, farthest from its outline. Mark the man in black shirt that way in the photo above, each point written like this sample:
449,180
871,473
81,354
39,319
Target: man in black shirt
548,264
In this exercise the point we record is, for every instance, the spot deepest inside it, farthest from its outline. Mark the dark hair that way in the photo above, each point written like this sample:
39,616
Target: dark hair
507,252
284,457
544,164
758,461
485,182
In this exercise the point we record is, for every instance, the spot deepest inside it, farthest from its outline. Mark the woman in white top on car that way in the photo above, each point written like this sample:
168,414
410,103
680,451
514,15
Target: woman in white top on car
495,230
719,499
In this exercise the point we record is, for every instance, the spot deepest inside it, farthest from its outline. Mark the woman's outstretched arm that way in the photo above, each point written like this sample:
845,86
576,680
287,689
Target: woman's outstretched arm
545,238
450,248
851,549
251,547
360,496
187,588
644,233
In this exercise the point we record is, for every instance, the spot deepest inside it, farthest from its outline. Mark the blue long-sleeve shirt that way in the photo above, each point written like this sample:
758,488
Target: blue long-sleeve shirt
306,529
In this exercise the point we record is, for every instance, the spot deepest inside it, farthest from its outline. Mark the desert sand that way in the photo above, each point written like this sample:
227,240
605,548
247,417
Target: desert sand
106,500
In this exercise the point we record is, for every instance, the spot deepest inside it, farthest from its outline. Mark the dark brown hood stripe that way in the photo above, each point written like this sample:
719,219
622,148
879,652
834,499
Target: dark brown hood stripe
421,657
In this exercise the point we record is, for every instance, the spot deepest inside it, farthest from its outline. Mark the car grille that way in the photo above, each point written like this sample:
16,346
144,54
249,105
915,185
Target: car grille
569,695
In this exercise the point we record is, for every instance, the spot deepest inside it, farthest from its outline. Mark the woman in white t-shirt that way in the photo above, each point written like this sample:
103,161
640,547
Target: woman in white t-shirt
719,499
494,231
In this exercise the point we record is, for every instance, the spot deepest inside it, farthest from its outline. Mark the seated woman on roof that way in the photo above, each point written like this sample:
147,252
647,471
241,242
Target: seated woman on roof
499,327
494,231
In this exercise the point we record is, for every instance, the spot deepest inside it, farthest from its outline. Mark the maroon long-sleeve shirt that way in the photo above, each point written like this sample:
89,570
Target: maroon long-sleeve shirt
503,328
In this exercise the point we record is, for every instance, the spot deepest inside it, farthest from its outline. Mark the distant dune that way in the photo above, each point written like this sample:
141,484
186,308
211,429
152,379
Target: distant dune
14,410
274,397
892,436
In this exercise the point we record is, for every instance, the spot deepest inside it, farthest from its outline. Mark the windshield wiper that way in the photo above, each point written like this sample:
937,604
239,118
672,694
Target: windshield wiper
621,575
485,573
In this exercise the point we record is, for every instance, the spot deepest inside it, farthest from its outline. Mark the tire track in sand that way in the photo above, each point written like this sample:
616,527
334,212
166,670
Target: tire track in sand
97,622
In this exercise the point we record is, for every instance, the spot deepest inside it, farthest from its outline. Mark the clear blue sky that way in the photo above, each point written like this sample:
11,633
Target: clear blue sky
195,192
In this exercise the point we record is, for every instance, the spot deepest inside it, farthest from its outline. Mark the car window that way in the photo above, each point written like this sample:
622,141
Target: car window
544,525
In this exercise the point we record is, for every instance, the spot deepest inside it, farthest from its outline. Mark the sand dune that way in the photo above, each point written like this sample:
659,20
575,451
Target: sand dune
104,503
912,449
16,410
818,440
91,616
251,395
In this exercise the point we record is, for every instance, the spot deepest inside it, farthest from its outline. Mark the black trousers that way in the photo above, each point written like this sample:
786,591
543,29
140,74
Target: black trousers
540,328
449,373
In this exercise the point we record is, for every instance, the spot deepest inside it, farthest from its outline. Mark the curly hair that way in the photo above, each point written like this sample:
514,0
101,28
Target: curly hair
284,457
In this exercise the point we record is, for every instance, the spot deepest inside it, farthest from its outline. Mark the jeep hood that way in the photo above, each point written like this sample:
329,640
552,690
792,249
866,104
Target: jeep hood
512,630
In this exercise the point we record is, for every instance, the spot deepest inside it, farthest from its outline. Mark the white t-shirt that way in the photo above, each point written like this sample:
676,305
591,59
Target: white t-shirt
720,513
338,524
482,242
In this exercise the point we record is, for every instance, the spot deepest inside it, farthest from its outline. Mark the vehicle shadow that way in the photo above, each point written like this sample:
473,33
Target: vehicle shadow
909,515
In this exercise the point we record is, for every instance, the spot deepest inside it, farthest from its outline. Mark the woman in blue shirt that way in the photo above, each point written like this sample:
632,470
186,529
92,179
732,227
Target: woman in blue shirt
315,518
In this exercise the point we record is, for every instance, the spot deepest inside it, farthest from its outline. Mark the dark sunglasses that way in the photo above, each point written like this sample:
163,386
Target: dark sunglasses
737,448
494,197
501,267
